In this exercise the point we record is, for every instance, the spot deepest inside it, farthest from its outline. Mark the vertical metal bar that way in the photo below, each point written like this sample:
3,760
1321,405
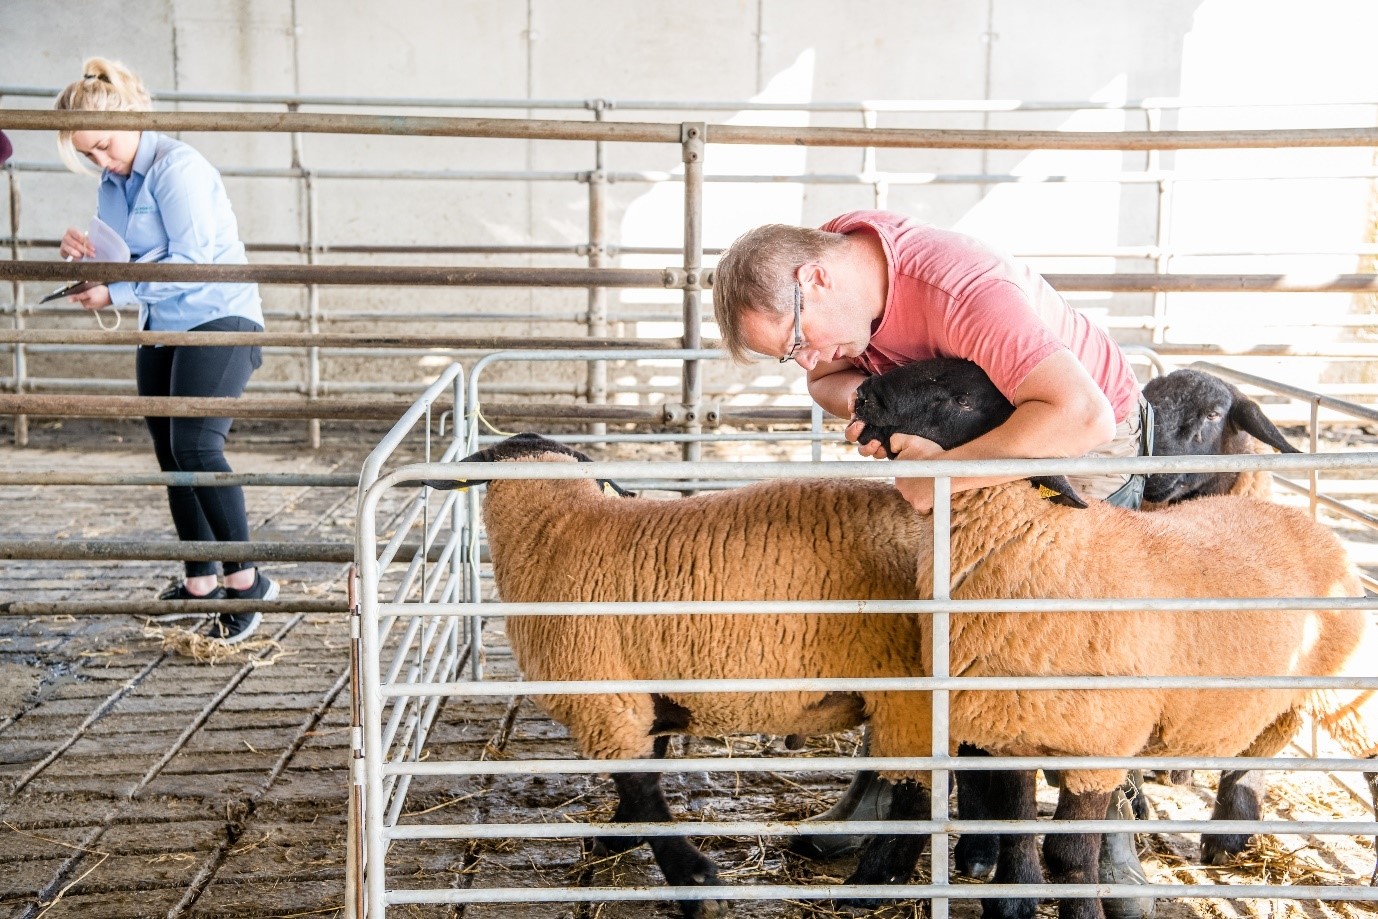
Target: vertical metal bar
354,845
692,139
816,432
1162,239
597,258
1312,477
942,590
307,200
21,422
371,699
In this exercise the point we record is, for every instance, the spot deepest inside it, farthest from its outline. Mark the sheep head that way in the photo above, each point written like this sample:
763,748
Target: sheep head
947,400
1198,414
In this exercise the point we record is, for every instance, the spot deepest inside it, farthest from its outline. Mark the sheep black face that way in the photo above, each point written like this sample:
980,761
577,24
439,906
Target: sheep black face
1197,414
947,400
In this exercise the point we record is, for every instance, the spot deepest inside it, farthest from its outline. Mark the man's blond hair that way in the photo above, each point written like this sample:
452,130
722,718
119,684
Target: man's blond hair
756,274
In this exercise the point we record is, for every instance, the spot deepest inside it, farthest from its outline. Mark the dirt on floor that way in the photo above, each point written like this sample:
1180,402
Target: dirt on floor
138,781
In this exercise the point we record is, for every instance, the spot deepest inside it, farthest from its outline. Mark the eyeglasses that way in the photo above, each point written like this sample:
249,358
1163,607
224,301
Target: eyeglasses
797,345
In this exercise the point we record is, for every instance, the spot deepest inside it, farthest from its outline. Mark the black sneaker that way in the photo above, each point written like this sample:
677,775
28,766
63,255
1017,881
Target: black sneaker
179,591
232,628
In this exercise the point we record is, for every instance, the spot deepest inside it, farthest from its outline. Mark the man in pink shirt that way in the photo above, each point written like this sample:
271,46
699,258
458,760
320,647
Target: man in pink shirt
871,290
875,290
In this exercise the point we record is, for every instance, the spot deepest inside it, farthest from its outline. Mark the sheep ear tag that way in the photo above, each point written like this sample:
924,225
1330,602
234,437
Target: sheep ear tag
613,490
1045,492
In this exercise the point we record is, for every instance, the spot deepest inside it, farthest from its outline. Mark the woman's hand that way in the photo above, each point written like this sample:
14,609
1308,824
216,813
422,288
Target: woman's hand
75,245
93,298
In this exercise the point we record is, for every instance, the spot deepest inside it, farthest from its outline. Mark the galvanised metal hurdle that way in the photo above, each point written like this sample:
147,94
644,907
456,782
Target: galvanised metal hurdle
391,688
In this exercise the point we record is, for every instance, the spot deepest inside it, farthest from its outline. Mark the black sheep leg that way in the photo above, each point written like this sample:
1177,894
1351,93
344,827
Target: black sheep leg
682,864
977,853
1240,797
1074,858
627,811
1014,793
1372,779
890,858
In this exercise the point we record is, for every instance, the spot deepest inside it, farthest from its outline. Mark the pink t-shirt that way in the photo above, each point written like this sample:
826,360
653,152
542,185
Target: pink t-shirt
952,296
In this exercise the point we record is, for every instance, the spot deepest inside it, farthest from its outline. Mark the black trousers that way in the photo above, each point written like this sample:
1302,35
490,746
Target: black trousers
198,444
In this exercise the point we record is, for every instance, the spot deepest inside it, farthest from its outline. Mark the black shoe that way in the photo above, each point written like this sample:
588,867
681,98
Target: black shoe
263,588
232,628
179,591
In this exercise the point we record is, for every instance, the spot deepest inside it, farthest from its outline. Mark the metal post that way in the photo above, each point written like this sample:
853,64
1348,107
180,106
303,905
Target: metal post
598,296
21,422
1162,240
942,590
692,138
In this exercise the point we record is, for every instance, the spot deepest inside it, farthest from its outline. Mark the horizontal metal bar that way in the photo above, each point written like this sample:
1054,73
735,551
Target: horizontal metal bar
165,550
323,340
393,275
186,479
794,828
24,609
810,764
376,275
915,683
1365,412
750,469
897,106
874,607
670,133
1358,892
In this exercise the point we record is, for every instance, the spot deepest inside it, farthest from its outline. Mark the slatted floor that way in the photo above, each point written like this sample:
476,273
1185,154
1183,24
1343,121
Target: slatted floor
137,782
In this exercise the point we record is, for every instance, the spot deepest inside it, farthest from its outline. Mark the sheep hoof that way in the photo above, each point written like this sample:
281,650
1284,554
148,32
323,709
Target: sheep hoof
976,855
705,909
1221,849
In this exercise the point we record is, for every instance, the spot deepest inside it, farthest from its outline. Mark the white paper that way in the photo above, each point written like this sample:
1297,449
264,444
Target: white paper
109,245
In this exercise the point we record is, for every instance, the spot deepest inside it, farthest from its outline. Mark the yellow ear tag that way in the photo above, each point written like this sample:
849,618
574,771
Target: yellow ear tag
1045,492
609,490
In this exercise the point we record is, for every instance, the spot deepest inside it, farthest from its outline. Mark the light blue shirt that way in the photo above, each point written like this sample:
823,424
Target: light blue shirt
172,207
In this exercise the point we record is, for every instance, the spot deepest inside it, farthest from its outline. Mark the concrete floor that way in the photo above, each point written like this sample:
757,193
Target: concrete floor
135,781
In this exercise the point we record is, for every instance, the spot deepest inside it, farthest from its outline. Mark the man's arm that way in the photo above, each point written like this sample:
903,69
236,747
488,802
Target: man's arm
1059,411
831,385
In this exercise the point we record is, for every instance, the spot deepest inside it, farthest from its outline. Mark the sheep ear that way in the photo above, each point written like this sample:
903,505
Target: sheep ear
1057,489
1249,418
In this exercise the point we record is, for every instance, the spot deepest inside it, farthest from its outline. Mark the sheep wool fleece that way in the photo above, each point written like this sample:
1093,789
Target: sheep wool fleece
785,540
1009,544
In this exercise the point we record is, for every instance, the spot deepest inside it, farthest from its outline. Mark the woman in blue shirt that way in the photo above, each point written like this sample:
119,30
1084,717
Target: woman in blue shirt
169,204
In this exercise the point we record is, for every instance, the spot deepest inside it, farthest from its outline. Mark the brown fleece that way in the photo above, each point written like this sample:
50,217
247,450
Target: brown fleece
785,540
1009,544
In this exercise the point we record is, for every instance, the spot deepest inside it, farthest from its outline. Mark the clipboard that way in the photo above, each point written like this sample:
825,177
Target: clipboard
76,287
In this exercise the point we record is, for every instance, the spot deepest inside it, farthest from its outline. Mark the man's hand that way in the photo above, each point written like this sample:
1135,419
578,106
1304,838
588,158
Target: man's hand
918,492
93,298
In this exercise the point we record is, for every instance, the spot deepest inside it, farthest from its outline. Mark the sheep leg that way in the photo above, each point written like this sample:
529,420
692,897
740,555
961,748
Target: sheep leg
1013,793
889,858
1240,797
1074,858
866,798
1372,779
627,811
976,854
641,799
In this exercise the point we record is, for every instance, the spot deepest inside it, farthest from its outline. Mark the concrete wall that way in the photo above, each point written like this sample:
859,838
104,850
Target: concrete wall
789,51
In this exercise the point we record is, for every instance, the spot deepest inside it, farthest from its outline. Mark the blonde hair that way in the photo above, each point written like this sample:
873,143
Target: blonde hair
105,86
756,275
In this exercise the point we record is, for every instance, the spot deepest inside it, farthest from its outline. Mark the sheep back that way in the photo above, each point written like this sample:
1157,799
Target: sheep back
785,540
1009,544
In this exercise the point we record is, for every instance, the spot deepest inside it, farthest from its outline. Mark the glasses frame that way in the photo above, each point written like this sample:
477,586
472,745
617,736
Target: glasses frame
797,344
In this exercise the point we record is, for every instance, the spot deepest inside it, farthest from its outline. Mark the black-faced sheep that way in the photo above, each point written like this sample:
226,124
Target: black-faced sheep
1008,543
554,540
1198,414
